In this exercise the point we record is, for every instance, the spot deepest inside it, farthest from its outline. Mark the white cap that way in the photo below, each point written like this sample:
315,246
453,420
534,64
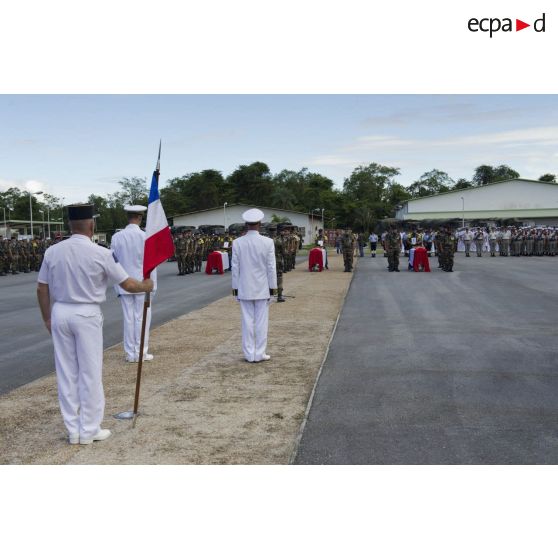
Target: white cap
253,216
135,208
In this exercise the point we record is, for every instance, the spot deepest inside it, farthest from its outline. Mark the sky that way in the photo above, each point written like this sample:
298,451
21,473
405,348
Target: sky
72,146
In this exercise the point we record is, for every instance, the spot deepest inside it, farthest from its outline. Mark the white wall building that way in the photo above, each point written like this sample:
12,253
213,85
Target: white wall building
233,214
528,201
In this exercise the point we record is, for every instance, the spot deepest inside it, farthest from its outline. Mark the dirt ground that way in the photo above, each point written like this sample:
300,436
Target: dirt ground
201,403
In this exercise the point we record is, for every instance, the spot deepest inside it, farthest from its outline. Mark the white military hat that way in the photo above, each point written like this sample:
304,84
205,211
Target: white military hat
253,216
135,208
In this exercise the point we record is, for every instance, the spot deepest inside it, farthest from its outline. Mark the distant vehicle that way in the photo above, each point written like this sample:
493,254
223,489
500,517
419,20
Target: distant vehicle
212,229
237,228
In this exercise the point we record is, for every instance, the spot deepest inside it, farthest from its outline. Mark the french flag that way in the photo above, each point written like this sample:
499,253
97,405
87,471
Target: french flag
159,245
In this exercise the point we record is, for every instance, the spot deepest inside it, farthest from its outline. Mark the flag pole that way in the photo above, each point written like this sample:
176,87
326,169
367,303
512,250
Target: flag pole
146,304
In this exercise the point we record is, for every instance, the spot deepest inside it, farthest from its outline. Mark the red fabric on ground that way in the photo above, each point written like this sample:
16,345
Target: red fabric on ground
421,258
315,258
214,261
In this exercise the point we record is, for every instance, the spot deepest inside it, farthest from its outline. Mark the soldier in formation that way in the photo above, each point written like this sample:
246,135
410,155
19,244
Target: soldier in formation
191,249
279,244
393,247
446,247
348,247
21,256
512,241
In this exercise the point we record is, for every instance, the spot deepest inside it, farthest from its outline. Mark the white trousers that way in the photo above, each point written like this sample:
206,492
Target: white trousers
132,308
77,335
254,315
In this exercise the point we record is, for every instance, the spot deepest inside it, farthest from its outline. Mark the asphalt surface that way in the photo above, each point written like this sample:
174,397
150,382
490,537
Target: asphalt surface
26,348
441,368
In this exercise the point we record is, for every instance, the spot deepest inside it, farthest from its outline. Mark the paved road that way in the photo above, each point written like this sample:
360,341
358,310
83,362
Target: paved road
26,348
441,368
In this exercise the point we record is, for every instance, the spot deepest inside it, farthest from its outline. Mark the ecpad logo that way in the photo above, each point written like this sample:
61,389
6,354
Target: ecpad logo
493,25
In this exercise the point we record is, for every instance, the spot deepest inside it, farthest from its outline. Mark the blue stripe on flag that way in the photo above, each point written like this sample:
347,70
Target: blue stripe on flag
154,192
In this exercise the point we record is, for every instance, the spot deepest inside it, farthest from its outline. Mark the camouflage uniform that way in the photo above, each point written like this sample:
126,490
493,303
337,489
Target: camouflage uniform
279,261
180,252
347,244
393,247
198,253
3,258
447,245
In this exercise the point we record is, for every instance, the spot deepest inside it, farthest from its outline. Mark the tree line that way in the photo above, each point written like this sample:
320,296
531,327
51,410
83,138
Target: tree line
372,192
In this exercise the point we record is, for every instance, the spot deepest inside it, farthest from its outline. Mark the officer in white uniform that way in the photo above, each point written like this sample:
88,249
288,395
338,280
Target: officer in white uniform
128,246
254,282
74,277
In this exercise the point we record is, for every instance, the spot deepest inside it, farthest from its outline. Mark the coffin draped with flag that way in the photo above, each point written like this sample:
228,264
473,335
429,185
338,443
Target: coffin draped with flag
158,241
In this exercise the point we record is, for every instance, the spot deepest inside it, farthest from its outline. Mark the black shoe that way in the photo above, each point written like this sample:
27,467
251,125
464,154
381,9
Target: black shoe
281,299
396,270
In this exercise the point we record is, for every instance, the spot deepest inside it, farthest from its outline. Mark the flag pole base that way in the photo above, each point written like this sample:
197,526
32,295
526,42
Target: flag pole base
124,415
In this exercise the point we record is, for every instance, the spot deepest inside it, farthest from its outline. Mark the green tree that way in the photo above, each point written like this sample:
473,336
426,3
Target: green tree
396,194
486,174
368,184
430,183
194,192
133,190
547,178
251,184
461,184
363,218
277,219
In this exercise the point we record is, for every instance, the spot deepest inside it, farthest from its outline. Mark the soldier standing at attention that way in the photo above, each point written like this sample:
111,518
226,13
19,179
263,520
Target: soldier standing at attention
492,238
448,248
347,244
479,241
279,254
552,243
181,256
127,246
505,243
373,239
254,282
467,237
393,247
74,276
3,257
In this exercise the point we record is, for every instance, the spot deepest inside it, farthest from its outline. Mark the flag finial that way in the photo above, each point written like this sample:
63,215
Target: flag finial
159,157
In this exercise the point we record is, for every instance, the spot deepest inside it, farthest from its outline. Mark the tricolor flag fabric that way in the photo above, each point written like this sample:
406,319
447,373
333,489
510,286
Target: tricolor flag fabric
158,241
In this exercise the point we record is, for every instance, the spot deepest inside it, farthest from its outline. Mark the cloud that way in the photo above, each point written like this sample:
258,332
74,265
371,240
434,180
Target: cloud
451,112
531,151
26,185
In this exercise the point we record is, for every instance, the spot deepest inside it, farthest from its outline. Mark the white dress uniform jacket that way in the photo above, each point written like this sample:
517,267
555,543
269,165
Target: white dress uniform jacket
254,274
77,273
128,246
253,266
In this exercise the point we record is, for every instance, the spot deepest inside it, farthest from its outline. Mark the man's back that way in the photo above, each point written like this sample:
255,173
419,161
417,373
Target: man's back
78,271
253,266
128,246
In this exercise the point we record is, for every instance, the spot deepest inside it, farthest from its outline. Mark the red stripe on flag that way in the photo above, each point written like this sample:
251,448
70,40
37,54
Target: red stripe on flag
158,248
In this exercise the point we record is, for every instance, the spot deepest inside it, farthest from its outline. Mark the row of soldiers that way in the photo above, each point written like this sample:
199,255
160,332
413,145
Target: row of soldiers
21,256
286,243
191,249
511,241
